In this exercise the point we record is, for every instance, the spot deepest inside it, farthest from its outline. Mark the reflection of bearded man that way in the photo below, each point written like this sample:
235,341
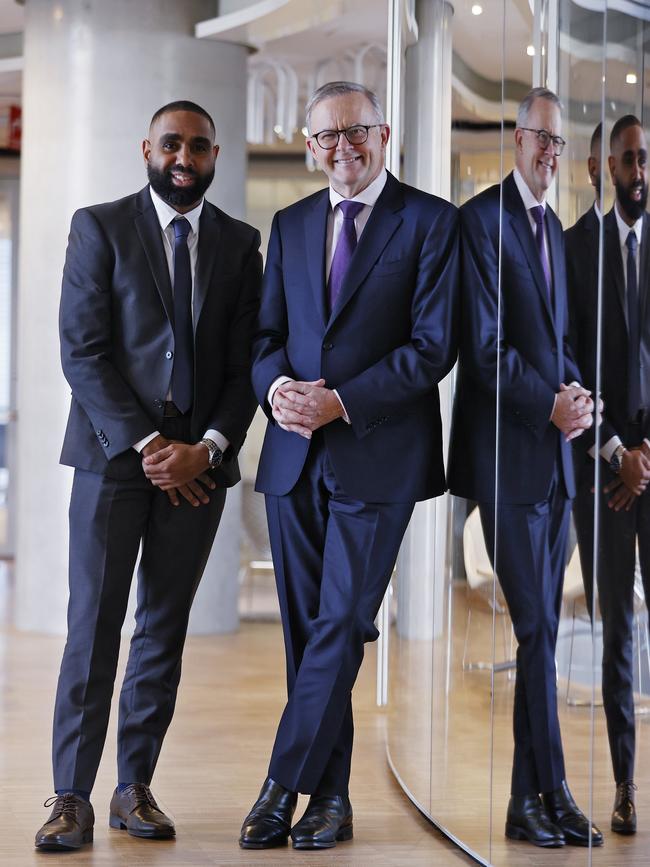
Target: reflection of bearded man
632,197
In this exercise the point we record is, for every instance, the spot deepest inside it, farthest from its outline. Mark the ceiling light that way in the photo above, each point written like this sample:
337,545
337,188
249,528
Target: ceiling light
630,78
477,10
530,50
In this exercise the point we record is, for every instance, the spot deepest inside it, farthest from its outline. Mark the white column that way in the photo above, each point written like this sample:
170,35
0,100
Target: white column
94,73
422,563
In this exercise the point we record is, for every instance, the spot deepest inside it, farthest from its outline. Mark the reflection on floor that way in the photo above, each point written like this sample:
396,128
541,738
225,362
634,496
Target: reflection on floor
442,744
211,767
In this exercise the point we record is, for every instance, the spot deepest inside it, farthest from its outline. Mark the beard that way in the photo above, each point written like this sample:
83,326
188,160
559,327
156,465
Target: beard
630,206
163,184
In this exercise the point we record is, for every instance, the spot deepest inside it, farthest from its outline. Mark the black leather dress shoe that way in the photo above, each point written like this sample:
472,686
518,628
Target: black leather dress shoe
136,811
269,822
565,813
528,820
326,822
70,824
624,814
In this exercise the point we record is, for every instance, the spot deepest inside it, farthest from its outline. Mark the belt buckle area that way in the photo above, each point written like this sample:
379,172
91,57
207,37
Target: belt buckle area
170,410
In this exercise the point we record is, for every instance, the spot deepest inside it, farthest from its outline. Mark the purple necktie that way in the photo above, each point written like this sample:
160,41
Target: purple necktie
345,247
538,216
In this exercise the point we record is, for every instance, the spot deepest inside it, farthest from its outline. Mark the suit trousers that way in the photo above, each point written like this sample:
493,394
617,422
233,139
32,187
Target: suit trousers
619,534
333,558
109,519
530,560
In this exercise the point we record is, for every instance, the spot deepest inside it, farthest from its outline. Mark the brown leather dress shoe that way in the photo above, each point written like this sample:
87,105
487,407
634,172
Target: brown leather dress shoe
135,810
624,813
70,824
326,822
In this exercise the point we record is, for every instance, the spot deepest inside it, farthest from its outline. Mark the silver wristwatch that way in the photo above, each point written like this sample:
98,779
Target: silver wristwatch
214,452
616,460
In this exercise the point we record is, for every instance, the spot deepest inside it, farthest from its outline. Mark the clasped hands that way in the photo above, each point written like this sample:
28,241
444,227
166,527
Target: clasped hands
303,407
632,480
179,469
573,410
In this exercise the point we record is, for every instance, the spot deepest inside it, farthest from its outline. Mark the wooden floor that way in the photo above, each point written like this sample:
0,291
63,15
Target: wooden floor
216,755
212,765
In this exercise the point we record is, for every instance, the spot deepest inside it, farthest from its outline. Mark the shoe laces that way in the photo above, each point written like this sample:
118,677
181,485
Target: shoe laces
142,795
64,805
627,789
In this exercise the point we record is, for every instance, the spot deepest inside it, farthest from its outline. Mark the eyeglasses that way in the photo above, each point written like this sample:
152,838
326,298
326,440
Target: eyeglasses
356,135
544,138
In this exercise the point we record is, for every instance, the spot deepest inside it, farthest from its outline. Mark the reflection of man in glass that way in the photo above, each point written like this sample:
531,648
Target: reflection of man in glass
514,309
624,519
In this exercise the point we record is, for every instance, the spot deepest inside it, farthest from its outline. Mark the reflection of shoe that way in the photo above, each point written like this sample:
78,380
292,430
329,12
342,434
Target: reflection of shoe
70,824
528,820
326,822
269,822
135,810
565,813
624,814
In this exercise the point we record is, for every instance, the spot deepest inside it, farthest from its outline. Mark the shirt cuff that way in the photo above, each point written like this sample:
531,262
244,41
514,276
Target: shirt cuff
142,443
275,385
217,438
608,449
647,442
346,417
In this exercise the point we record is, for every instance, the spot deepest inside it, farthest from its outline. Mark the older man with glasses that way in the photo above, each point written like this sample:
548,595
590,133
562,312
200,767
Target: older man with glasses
356,329
517,378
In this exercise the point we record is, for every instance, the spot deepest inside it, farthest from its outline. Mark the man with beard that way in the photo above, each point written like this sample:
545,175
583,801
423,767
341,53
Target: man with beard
624,511
160,294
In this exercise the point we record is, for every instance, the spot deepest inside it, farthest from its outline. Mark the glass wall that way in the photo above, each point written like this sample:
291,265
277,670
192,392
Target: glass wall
480,664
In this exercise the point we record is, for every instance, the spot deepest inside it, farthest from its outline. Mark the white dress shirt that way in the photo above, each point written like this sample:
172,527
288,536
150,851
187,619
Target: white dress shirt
368,197
166,216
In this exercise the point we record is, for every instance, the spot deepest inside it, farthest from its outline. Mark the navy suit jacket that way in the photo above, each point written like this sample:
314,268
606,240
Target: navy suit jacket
117,339
388,342
582,242
515,346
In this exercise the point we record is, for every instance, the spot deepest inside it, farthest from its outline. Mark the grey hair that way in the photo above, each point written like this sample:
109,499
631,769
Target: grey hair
339,88
527,103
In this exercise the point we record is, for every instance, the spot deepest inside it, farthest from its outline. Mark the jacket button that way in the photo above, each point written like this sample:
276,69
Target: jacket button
169,354
328,346
158,403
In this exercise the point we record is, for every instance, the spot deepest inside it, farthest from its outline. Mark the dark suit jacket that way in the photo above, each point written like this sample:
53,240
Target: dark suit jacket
389,341
117,339
582,273
529,338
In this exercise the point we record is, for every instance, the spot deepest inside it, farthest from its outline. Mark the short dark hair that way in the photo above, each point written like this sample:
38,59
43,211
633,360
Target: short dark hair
183,105
596,138
620,126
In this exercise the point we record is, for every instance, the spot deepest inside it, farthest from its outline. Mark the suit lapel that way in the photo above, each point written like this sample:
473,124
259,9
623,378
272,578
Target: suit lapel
381,226
208,252
554,234
614,261
644,283
148,229
315,225
520,224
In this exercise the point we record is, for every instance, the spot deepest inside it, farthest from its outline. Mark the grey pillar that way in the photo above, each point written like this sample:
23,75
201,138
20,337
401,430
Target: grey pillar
423,559
94,73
